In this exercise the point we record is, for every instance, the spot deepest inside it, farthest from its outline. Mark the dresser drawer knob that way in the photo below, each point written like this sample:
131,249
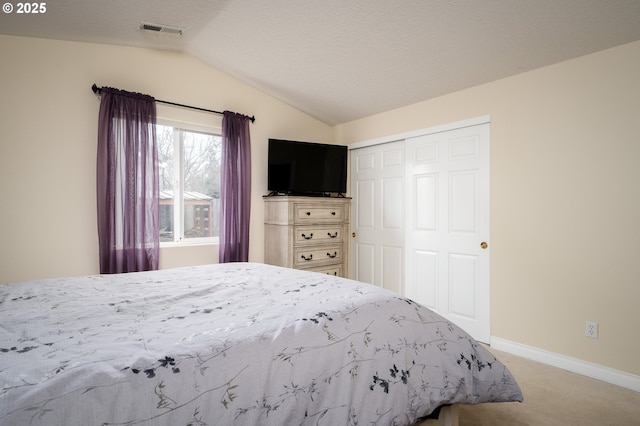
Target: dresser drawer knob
335,254
332,236
308,213
309,237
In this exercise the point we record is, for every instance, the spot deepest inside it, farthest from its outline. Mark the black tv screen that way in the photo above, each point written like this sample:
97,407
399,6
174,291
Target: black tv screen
306,168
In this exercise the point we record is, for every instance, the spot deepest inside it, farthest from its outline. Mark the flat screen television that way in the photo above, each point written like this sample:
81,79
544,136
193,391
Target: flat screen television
306,168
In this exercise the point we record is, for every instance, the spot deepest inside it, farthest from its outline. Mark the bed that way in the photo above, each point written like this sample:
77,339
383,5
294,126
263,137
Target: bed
232,344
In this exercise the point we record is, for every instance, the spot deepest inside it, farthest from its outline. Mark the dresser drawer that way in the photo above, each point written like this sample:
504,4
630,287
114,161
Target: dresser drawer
335,270
306,213
317,234
304,257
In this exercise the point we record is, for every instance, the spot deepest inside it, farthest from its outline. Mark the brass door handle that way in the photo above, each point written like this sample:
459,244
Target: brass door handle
484,245
353,235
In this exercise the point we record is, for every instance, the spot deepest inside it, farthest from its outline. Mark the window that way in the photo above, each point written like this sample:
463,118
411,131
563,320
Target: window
189,167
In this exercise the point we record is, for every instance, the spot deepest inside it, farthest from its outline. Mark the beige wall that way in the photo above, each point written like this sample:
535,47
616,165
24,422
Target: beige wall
48,130
565,200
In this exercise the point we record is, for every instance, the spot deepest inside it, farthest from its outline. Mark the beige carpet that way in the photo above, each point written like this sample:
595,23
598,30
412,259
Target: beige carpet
553,396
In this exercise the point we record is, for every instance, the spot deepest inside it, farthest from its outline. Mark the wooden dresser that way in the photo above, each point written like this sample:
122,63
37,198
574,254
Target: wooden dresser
307,233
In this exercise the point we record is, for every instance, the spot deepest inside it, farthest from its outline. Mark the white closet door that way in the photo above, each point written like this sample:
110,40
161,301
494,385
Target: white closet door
377,222
447,226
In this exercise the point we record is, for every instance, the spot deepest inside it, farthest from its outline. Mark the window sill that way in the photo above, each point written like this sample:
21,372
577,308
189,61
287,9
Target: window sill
212,242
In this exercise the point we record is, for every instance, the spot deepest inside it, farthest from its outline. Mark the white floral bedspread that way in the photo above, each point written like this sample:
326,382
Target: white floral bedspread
233,344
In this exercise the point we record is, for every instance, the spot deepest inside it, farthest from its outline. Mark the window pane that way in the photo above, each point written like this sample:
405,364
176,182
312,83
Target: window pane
201,168
164,135
189,168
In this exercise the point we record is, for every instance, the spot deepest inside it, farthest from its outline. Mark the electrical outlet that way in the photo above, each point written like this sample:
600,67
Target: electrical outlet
591,329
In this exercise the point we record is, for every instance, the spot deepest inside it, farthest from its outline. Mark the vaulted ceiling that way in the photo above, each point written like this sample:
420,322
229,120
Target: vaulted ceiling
340,60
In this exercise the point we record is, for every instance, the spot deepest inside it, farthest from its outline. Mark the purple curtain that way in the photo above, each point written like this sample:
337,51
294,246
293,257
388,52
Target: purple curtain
235,188
127,183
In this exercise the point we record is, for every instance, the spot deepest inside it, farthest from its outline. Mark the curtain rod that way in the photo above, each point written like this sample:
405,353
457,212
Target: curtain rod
97,90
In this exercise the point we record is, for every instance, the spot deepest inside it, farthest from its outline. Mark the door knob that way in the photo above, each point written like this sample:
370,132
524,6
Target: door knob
484,245
353,234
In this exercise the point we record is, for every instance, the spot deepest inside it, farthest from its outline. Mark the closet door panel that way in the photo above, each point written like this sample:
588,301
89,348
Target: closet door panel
377,183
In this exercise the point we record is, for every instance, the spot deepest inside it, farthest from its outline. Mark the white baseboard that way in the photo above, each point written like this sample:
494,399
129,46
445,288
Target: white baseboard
589,369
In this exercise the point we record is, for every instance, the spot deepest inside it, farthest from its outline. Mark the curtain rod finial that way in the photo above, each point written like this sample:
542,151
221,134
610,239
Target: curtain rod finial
95,89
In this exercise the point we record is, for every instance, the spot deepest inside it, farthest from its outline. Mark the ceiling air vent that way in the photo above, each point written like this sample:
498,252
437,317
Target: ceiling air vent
162,30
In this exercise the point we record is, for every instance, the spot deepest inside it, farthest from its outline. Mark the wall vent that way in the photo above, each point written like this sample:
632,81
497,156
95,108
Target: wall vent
162,30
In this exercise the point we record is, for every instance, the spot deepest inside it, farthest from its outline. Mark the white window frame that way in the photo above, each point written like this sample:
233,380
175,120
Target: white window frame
178,186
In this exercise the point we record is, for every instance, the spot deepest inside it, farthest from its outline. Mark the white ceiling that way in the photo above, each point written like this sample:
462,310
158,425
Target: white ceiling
340,60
